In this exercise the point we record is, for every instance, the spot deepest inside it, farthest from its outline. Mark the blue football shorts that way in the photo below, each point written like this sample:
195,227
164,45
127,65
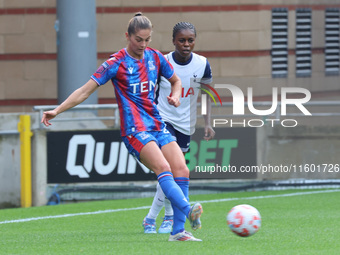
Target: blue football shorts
135,142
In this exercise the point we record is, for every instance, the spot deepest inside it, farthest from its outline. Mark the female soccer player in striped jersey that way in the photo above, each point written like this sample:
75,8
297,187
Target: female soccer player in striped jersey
190,68
134,71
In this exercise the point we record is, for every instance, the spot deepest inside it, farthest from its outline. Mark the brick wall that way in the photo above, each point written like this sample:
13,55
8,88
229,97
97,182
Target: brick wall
236,38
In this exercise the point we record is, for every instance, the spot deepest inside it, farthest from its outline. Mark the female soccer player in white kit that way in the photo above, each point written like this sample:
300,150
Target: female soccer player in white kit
193,70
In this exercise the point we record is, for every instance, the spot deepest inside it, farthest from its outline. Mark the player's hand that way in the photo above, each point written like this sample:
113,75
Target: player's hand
174,101
209,133
47,116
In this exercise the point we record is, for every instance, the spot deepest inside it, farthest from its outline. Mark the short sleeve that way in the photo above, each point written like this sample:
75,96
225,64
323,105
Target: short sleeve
106,71
207,76
166,68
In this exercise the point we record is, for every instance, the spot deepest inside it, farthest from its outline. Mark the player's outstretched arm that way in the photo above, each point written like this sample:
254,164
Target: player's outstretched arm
77,97
176,90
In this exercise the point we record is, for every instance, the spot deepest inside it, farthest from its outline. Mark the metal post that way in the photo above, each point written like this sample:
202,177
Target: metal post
24,127
76,46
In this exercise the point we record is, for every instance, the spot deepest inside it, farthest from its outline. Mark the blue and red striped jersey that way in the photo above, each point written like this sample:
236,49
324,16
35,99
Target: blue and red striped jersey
134,82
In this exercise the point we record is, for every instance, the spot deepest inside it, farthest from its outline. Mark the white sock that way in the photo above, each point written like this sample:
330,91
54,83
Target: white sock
168,208
157,204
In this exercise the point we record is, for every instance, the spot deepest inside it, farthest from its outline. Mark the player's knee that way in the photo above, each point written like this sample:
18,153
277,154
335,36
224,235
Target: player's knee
164,167
181,171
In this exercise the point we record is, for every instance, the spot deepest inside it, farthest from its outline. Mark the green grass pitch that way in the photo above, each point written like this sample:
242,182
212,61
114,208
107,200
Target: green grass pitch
293,222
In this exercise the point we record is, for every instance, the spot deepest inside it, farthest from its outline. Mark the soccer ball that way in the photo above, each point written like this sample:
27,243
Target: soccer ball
244,220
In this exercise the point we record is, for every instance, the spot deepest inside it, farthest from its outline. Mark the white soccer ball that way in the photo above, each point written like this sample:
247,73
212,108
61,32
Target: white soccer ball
244,220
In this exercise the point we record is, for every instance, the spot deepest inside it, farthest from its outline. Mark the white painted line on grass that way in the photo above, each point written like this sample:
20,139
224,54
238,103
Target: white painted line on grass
271,196
148,207
74,214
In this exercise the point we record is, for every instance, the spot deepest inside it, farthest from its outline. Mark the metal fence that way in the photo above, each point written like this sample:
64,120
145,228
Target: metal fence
84,107
225,111
331,111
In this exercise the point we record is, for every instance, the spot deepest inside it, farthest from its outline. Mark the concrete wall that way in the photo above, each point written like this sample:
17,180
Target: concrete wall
10,161
9,171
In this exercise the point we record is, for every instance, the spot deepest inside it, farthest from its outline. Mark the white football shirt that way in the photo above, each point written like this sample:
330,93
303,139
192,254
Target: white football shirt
196,70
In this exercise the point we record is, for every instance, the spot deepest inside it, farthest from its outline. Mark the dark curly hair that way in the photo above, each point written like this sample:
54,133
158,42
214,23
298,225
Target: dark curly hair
182,26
